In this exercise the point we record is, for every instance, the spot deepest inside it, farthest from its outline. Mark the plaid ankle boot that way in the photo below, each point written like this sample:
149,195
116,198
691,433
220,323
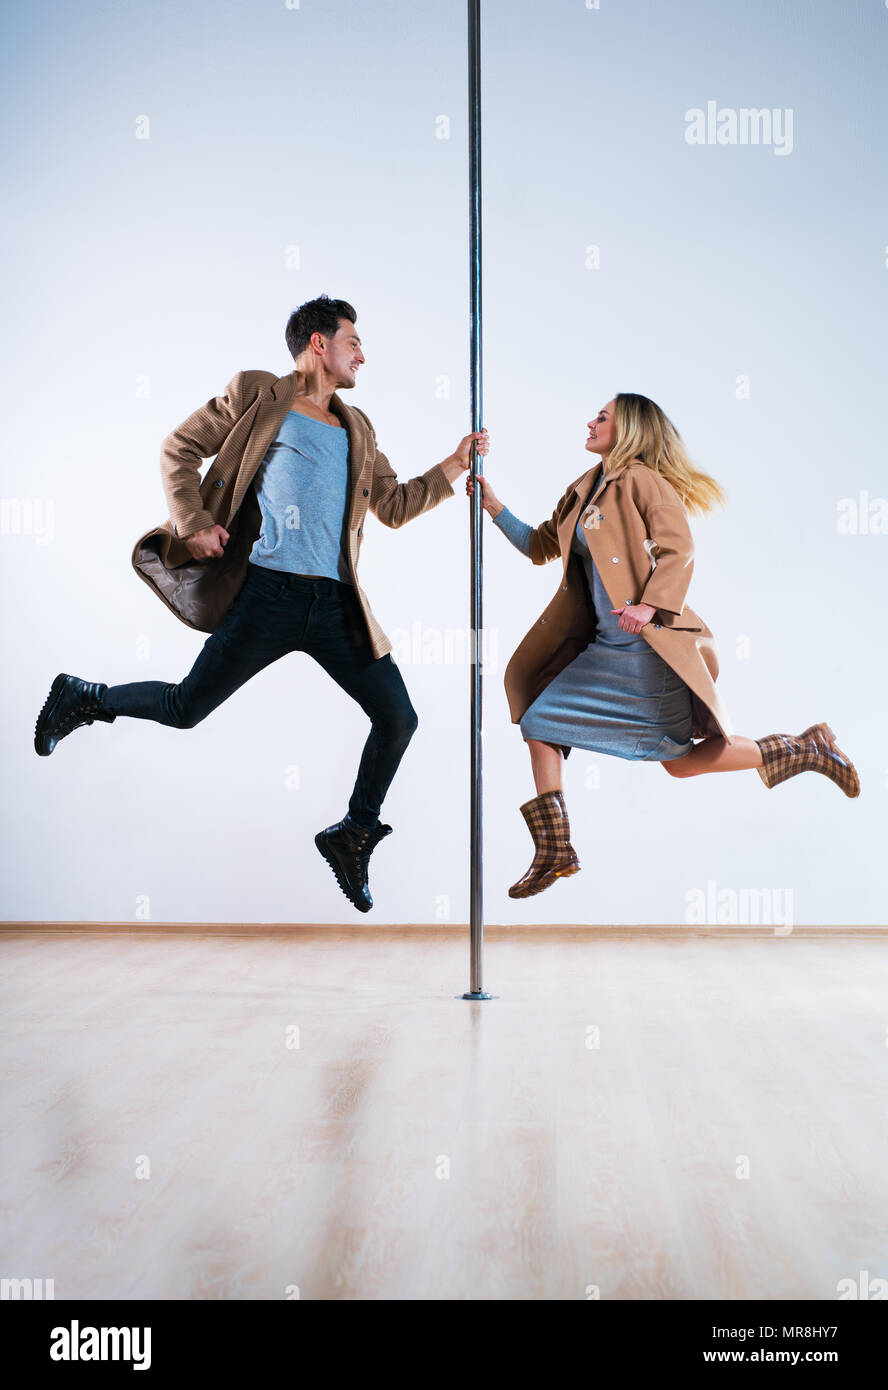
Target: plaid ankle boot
554,855
814,750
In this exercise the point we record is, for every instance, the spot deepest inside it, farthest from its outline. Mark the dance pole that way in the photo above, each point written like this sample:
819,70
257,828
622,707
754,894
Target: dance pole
476,919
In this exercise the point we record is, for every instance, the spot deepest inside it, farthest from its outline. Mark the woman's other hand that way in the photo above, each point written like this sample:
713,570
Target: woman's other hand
489,500
634,616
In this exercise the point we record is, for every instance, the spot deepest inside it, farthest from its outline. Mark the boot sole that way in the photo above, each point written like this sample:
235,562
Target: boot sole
831,740
338,874
43,717
546,882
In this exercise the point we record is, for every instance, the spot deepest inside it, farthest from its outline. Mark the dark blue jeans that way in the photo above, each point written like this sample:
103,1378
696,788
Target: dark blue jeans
276,613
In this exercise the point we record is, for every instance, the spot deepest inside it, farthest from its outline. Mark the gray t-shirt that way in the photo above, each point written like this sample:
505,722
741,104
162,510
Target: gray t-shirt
302,488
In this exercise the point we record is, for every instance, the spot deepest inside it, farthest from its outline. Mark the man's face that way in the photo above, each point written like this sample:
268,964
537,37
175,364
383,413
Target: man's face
342,355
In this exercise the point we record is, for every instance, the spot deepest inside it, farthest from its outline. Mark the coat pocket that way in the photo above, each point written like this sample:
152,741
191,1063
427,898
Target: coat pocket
678,622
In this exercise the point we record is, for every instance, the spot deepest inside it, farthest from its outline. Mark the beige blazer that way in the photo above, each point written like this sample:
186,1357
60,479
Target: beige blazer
235,430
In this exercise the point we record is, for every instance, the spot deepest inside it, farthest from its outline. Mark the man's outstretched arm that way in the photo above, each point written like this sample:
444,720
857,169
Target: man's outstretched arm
394,503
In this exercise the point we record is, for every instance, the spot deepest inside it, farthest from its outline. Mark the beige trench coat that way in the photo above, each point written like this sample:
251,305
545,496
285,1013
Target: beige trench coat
235,430
638,535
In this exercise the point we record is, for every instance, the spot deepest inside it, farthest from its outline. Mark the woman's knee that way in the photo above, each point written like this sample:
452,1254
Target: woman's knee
677,767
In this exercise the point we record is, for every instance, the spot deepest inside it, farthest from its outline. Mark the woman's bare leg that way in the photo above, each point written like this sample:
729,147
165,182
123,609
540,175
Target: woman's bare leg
546,761
716,755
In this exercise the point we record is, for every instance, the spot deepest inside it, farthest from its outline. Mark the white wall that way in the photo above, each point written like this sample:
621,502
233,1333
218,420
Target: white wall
142,273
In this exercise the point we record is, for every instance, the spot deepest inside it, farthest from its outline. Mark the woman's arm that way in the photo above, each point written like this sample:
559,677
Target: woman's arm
518,532
538,543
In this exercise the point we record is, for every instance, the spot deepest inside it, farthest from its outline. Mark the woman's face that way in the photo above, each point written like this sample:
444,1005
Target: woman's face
602,432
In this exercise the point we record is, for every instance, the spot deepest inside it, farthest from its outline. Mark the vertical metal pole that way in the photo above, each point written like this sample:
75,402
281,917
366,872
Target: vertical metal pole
476,920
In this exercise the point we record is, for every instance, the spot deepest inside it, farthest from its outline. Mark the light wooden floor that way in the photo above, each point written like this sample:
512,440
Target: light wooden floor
414,1146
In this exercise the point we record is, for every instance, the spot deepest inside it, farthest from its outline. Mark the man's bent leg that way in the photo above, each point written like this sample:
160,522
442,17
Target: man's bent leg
250,637
337,639
382,695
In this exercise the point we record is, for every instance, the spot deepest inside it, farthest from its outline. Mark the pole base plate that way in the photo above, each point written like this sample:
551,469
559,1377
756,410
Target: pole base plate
477,994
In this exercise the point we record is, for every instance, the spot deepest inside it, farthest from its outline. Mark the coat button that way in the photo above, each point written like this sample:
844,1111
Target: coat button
359,530
564,586
615,559
220,482
657,626
366,492
542,620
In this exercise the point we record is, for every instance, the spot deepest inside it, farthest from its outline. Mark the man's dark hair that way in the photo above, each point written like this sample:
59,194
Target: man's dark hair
319,315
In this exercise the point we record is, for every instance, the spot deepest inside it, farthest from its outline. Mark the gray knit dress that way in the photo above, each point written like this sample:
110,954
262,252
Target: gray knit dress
618,695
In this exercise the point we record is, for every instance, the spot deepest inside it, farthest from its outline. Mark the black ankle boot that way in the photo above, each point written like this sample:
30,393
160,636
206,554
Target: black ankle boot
347,849
70,703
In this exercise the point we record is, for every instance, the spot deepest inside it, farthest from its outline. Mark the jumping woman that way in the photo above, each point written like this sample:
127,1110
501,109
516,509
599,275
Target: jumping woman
618,663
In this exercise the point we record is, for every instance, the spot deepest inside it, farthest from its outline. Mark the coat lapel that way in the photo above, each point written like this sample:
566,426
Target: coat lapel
357,439
271,408
596,480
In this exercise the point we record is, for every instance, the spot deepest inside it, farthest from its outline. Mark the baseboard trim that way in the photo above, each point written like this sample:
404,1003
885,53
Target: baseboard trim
448,929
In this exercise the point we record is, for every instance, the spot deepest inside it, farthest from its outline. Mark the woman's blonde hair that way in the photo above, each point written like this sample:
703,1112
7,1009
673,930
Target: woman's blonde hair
644,432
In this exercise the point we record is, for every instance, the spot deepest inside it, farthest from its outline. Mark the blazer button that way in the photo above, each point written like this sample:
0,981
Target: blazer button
220,482
366,492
